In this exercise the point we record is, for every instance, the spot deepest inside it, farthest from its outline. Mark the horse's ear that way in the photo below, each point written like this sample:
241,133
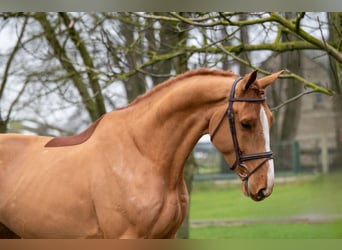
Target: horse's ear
268,80
251,77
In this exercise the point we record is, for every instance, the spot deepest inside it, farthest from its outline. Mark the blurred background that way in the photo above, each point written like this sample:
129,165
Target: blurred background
61,71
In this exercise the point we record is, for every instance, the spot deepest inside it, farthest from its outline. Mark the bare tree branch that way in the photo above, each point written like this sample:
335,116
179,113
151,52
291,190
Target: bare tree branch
293,99
88,61
11,57
307,83
67,65
4,120
307,37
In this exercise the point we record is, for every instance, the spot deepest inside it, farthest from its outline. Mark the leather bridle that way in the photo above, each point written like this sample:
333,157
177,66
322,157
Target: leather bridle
239,167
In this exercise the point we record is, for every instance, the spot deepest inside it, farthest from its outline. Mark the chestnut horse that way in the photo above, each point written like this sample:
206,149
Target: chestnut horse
123,176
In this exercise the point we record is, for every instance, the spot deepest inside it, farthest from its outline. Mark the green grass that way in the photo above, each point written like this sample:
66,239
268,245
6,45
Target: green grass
318,195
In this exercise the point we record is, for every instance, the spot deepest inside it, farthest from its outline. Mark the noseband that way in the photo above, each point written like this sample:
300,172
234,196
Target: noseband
239,166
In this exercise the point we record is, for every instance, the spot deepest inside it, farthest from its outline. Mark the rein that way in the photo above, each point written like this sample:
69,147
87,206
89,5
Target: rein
239,166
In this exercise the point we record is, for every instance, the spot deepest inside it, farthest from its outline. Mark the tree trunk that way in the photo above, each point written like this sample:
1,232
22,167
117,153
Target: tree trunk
134,85
167,42
291,60
244,36
3,126
335,27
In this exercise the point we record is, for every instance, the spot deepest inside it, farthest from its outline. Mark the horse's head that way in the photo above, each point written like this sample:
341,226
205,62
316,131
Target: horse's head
240,130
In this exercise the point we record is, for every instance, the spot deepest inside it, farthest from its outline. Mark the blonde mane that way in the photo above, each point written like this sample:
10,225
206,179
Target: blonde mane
190,73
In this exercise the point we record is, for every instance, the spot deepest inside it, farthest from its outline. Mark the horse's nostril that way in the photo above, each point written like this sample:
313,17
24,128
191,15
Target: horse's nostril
261,193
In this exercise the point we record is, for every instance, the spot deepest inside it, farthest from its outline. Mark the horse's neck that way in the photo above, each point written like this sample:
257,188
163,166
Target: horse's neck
166,127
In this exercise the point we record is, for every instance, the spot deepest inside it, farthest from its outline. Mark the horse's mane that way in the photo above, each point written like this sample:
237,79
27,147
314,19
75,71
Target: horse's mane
187,74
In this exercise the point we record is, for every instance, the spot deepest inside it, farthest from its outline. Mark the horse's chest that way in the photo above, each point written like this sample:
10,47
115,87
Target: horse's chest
147,214
161,211
138,204
171,216
158,217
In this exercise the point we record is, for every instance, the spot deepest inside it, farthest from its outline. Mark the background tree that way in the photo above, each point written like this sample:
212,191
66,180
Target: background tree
87,85
335,38
6,114
291,60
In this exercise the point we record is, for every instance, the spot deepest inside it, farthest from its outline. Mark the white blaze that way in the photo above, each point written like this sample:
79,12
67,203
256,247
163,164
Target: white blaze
266,132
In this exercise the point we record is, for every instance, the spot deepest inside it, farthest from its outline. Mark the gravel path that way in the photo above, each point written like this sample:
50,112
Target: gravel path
309,218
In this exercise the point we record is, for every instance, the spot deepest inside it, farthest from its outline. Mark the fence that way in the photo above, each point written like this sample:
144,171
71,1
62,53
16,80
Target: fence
318,152
287,156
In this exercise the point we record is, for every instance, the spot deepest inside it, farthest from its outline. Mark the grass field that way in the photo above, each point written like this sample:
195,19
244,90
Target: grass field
305,208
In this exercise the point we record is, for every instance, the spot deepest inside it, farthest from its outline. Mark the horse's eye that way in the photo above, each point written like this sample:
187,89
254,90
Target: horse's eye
246,125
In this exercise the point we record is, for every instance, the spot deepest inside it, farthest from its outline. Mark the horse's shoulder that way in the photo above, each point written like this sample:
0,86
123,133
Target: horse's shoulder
73,139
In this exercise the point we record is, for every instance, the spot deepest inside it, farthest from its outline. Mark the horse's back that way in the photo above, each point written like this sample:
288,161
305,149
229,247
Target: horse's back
12,142
15,151
54,177
15,146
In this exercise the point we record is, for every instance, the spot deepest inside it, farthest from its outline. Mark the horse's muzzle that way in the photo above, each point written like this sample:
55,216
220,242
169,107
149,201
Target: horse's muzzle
261,194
